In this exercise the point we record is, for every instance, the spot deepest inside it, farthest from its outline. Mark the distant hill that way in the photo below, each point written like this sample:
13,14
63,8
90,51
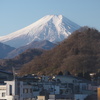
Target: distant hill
80,52
19,60
46,45
4,50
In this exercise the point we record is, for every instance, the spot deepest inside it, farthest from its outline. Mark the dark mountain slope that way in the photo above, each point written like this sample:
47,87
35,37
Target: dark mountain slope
18,61
80,52
46,45
4,50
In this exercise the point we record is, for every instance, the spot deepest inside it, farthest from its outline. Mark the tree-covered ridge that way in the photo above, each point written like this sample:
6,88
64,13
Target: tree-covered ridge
80,52
20,60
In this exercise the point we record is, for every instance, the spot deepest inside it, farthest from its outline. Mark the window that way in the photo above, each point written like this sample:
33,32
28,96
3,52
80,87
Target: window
25,90
30,90
3,94
35,88
83,87
10,90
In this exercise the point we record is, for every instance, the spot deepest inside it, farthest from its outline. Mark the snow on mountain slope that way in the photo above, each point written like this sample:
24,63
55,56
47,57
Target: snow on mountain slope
54,28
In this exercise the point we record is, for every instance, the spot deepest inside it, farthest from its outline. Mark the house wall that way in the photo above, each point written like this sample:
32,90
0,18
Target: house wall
98,93
2,97
83,86
92,87
27,93
20,89
52,88
41,98
10,88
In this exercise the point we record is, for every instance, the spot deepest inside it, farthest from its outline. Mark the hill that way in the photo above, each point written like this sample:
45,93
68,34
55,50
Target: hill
4,50
46,45
18,61
80,52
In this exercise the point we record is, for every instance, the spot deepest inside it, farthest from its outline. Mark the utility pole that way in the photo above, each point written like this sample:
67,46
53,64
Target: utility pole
13,70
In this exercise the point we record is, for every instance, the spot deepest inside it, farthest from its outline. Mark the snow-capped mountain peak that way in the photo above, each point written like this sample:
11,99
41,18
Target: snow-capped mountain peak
54,28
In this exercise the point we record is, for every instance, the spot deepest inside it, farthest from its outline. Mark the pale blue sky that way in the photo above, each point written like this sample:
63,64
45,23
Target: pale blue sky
17,14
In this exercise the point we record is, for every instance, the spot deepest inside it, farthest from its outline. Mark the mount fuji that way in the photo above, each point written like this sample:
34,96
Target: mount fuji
53,28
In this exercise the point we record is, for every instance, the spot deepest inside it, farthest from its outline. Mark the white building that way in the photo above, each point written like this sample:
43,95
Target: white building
8,91
14,90
18,90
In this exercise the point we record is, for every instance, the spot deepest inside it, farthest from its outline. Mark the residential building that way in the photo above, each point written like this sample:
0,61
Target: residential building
32,87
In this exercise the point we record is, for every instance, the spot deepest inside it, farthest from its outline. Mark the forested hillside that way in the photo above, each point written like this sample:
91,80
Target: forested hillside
80,52
20,60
